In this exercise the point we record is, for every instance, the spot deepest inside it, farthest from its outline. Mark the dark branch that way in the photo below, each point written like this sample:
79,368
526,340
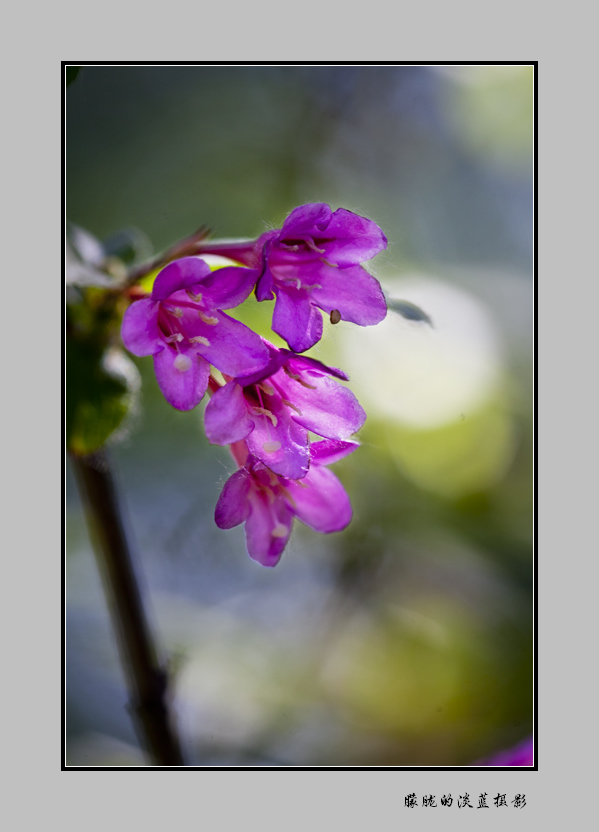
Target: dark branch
147,680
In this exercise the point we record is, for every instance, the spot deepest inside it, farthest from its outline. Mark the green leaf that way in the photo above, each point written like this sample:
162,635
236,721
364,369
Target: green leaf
409,311
71,73
101,388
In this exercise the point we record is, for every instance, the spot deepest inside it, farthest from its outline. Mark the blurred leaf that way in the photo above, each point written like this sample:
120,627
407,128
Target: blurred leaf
101,388
80,273
85,245
71,73
88,263
409,311
128,245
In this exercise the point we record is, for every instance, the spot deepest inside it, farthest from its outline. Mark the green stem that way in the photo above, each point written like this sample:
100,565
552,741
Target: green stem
147,679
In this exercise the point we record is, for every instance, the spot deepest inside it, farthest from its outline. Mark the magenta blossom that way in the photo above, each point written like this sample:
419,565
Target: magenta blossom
181,324
268,503
519,755
314,262
273,411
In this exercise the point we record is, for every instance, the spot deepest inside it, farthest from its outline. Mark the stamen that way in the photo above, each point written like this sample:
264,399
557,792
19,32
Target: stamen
305,384
298,283
279,531
312,245
284,492
174,338
289,373
268,388
199,339
297,378
182,363
197,298
264,412
208,319
292,406
175,311
271,447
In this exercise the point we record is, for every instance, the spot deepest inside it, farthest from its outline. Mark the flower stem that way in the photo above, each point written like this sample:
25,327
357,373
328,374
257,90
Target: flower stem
147,679
183,248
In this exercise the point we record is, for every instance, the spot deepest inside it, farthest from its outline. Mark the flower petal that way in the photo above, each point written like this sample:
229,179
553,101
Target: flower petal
320,501
180,274
225,418
308,219
233,504
297,363
296,320
351,239
356,294
182,377
264,285
231,346
327,451
326,407
277,358
228,287
140,331
267,529
282,447
521,755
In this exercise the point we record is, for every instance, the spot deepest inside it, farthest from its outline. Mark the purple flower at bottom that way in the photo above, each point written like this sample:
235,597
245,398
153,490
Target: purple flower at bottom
182,326
268,503
519,755
273,411
314,262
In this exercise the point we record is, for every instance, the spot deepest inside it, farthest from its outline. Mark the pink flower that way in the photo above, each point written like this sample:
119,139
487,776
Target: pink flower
314,262
181,324
268,503
519,755
273,411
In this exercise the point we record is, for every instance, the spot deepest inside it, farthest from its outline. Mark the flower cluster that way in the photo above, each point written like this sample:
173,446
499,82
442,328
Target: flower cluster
314,262
268,502
272,398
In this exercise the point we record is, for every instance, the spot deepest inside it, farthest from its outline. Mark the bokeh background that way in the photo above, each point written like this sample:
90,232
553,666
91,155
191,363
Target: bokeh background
407,639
